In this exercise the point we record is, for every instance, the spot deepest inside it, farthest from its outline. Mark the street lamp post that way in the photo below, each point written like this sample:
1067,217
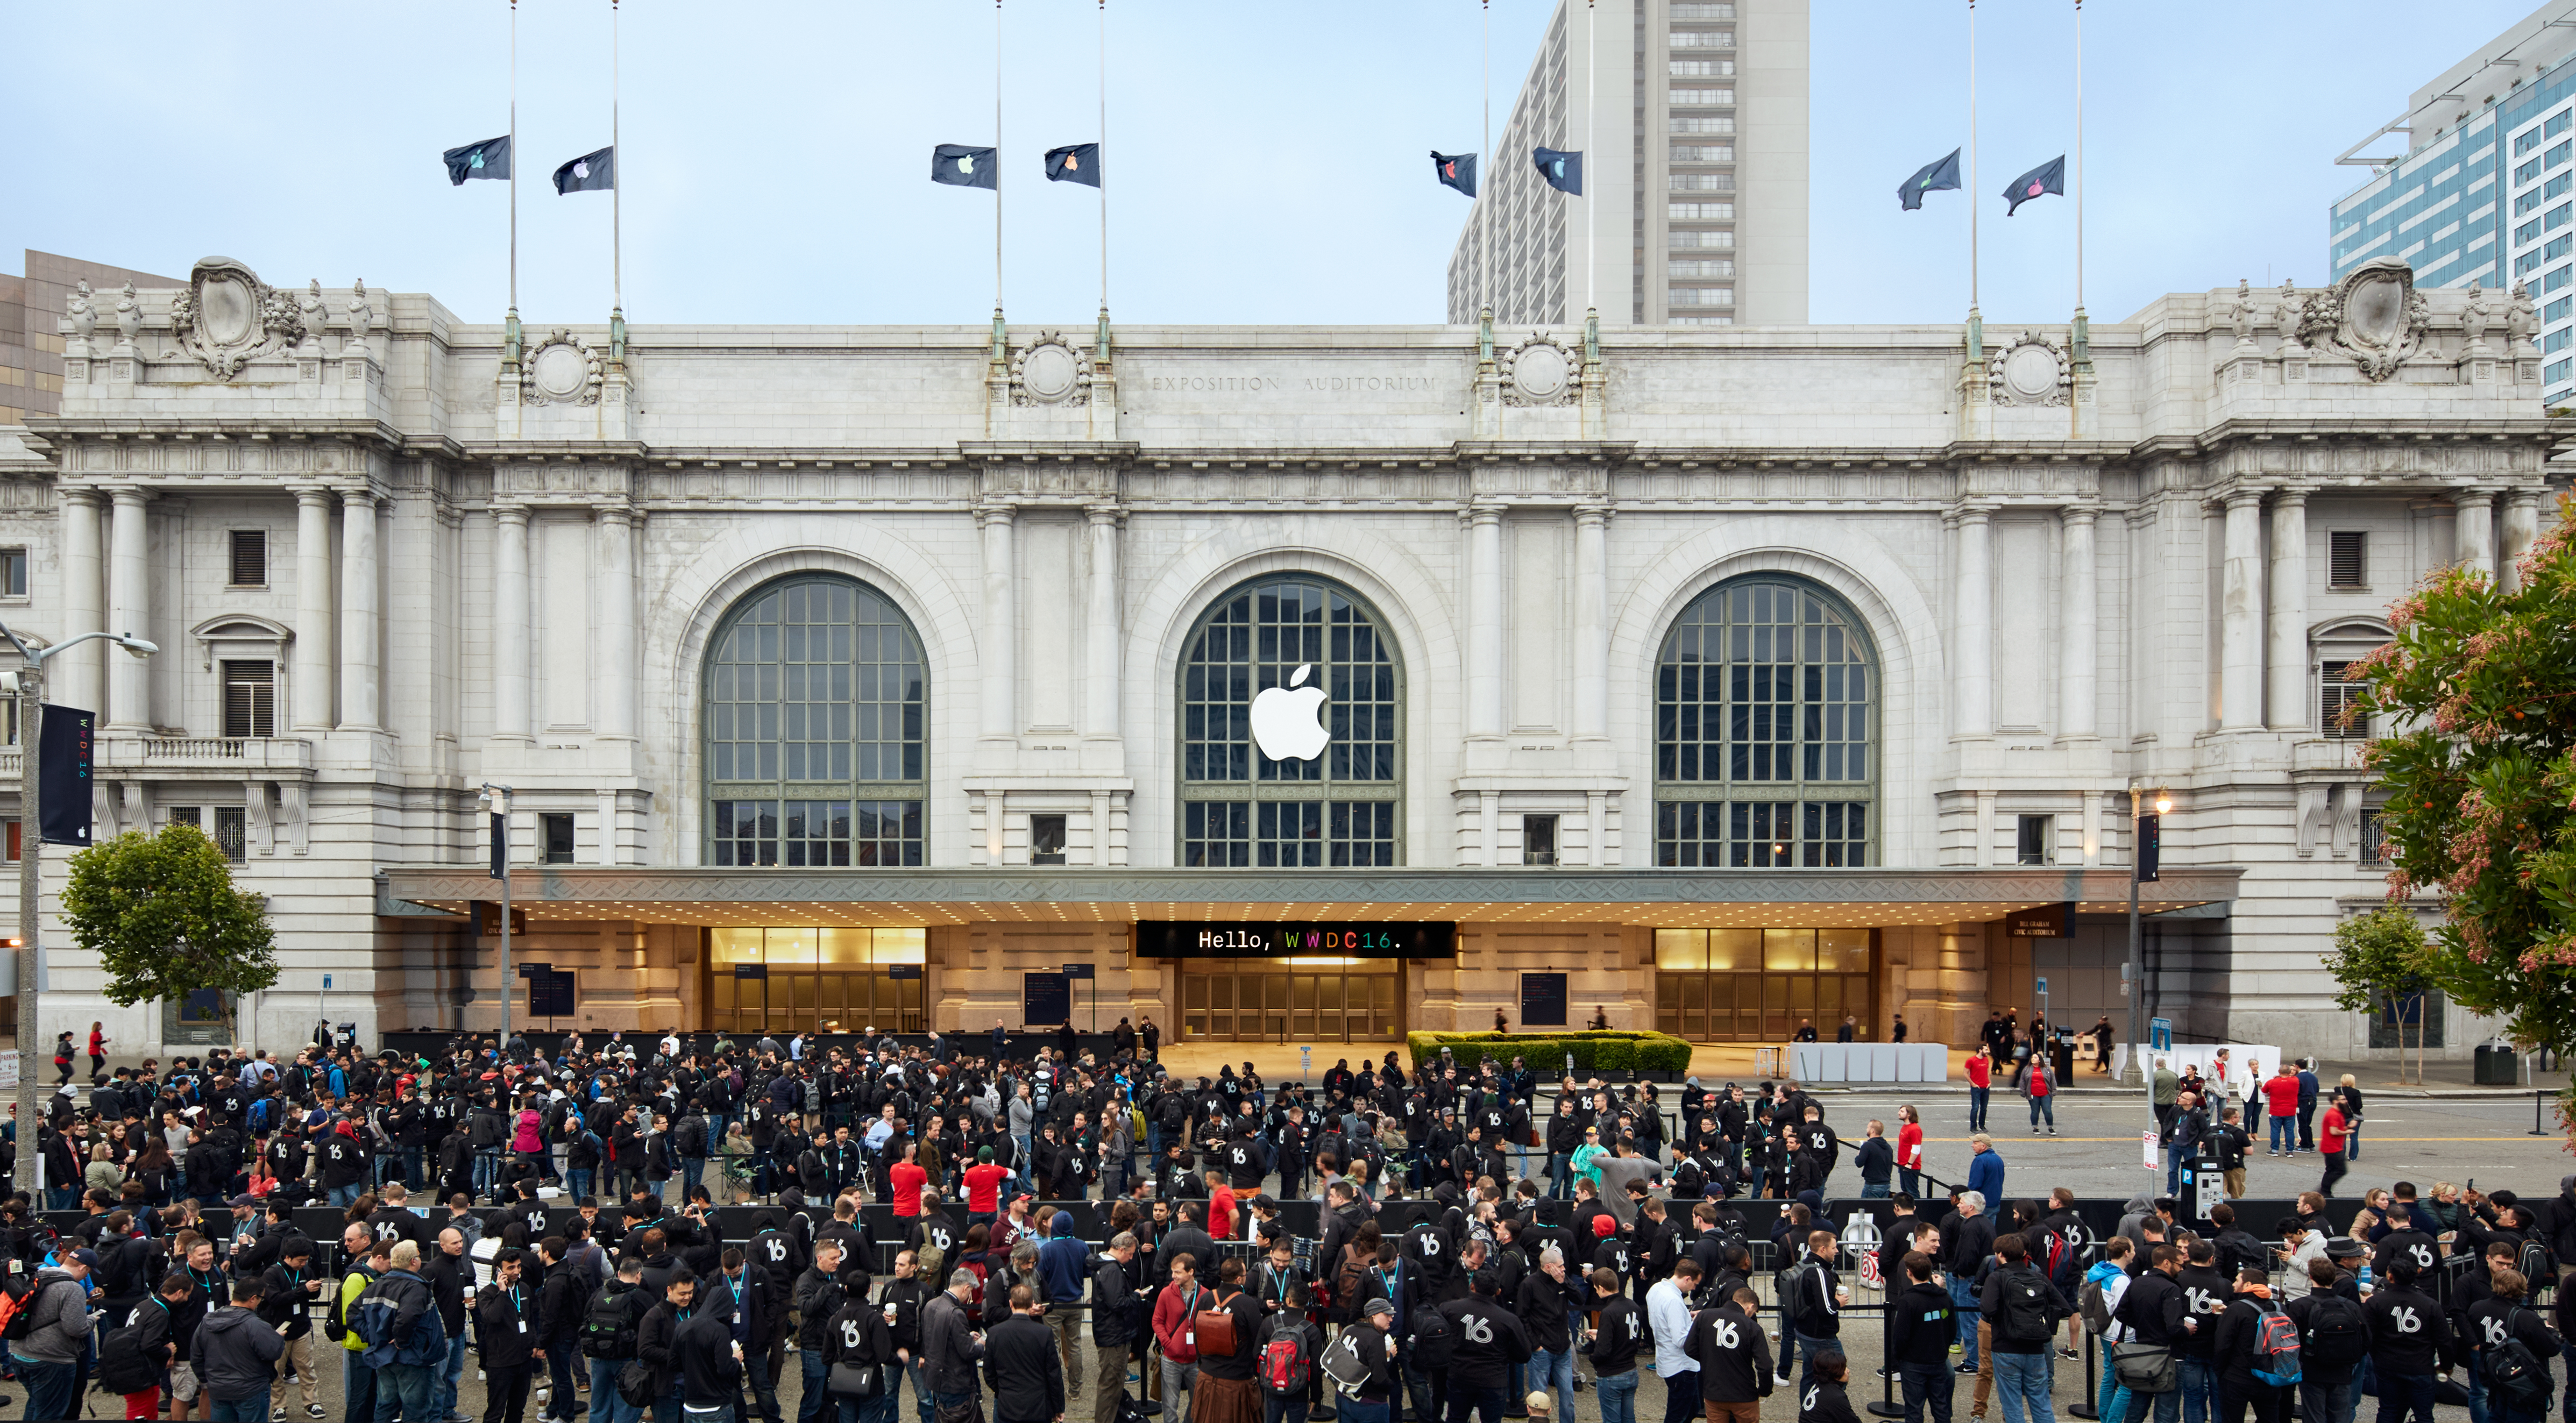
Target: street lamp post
28,684
2135,971
498,797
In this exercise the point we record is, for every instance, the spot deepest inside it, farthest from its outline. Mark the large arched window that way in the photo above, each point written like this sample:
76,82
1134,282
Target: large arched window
1342,802
1765,723
815,719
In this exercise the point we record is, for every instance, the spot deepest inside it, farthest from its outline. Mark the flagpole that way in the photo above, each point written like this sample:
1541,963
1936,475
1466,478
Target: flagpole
1486,227
616,184
1975,193
514,162
1099,165
1591,226
997,165
2079,155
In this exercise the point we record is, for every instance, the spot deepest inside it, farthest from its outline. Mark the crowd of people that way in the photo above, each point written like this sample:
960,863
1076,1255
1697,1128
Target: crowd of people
1015,1227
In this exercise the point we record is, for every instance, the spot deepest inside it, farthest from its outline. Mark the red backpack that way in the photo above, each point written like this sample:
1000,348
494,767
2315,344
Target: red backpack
1283,1364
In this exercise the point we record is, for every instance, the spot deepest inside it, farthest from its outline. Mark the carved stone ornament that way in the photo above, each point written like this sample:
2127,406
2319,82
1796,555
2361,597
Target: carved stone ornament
1050,371
562,370
2030,369
1542,371
2374,315
228,317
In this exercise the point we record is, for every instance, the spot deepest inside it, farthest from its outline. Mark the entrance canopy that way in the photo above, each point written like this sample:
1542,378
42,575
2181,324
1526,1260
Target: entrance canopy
1662,898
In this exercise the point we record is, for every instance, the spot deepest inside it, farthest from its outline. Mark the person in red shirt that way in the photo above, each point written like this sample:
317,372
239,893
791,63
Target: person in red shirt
907,1178
2281,1105
1981,1078
2330,1144
1220,1219
984,1189
1909,1149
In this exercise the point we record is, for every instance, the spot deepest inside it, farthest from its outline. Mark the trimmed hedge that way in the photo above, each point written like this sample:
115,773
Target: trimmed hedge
1600,1052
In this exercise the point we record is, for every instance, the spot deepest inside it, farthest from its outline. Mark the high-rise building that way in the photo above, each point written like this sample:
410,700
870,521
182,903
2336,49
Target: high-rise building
1692,116
31,350
2482,192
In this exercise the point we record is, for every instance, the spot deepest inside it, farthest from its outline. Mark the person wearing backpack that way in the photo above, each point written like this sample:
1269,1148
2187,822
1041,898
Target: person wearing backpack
2257,1352
1613,1346
2333,1336
2409,1344
610,1326
1361,1365
403,1337
133,1358
235,1356
2022,1308
1285,1366
367,1258
2509,1350
1118,1290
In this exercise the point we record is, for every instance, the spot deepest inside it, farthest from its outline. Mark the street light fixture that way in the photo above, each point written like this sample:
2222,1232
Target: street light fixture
498,799
28,685
2145,844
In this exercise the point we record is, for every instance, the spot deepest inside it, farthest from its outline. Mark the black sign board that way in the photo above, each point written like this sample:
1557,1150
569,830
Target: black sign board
534,970
550,995
1045,998
1077,970
1542,1000
500,846
903,970
1284,939
2151,847
751,970
64,749
2048,921
487,919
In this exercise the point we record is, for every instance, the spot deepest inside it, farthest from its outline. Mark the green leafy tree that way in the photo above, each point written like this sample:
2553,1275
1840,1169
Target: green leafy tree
2479,693
161,913
2380,961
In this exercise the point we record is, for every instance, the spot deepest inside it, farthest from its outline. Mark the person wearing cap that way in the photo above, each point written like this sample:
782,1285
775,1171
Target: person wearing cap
58,1329
1370,1344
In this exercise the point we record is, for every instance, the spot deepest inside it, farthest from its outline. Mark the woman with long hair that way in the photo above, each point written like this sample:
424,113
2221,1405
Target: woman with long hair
97,1051
153,1168
1909,1149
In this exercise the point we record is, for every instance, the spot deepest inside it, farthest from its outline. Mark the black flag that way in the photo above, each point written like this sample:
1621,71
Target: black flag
590,173
63,751
488,159
1074,163
962,166
1456,170
1563,171
1937,176
2049,177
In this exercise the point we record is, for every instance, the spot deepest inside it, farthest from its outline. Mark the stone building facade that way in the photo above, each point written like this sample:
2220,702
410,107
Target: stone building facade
873,676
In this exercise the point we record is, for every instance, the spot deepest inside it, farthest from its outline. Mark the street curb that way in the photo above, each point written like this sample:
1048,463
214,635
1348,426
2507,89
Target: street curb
2088,1094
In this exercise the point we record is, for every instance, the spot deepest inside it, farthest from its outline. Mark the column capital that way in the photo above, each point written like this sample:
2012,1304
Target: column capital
1970,511
1107,511
996,511
84,495
2472,494
310,494
2290,495
509,512
1480,511
2522,498
2080,513
612,514
1595,513
364,496
2239,497
133,496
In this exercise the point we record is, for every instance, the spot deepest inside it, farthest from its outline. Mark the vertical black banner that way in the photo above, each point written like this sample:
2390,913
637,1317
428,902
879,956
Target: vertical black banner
500,846
2150,855
63,752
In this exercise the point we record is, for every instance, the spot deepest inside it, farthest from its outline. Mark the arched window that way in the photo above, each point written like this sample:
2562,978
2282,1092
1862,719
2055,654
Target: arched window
1765,724
1333,801
815,699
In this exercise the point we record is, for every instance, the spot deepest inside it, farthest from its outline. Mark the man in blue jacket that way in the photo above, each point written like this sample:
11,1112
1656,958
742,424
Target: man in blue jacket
1986,1173
406,1339
1062,1273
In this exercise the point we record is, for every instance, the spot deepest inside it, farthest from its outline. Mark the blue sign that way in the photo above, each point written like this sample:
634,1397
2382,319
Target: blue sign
1542,1000
2043,988
2160,1035
1045,998
326,980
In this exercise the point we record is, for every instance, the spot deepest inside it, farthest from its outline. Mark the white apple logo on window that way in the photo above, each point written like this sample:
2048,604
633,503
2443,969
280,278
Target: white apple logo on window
1287,722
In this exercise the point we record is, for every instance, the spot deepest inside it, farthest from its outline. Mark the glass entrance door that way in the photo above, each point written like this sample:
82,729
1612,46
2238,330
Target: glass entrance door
1761,985
1294,1002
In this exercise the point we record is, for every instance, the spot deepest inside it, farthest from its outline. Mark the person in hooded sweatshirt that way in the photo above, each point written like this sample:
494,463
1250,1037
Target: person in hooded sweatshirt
1921,1327
1062,1276
235,1355
1823,1399
2240,1333
710,1361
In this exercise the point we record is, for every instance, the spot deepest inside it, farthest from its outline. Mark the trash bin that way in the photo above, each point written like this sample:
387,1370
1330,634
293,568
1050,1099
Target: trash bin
2497,1065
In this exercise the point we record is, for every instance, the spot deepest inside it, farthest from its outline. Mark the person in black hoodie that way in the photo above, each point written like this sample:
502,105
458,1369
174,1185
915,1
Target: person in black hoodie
2333,1337
2205,1294
2408,1345
561,1302
1967,1238
1734,1358
1921,1326
657,1335
1491,1342
2240,1334
1815,1308
710,1364
1823,1399
1613,1348
505,1324
1021,1363
2153,1310
1544,1299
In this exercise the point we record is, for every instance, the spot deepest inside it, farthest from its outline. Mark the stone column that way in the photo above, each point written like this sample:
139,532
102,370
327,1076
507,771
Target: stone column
2288,703
1489,805
2240,644
1100,644
1484,620
614,619
1596,826
2078,657
358,630
1001,717
2092,827
1985,828
129,589
512,716
313,593
606,850
81,676
1592,623
2473,533
2521,530
1100,827
1974,676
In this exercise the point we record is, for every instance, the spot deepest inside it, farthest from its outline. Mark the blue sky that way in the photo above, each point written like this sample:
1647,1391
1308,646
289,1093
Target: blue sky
1267,162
